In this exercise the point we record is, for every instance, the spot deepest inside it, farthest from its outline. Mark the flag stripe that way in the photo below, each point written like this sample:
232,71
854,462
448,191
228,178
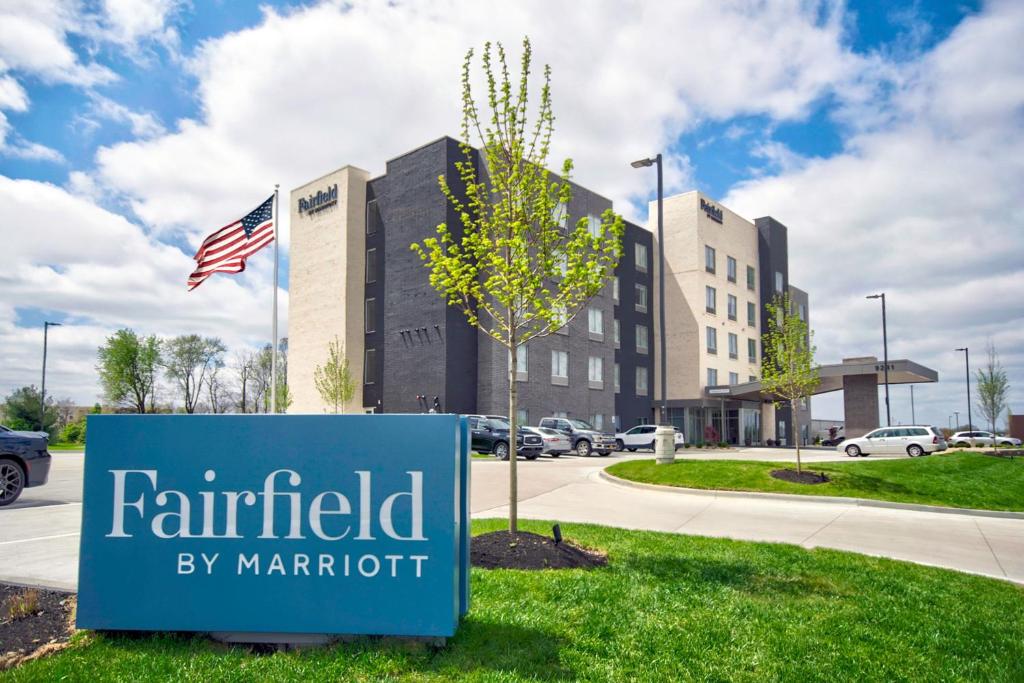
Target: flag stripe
226,250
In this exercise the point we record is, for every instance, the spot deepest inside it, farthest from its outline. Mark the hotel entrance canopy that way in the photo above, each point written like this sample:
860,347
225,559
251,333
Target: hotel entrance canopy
833,377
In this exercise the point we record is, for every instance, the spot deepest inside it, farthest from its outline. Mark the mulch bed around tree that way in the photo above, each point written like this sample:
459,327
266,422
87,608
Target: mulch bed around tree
502,550
801,477
46,628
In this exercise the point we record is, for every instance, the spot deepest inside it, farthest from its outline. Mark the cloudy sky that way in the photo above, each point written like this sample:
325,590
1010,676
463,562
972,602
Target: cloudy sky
889,137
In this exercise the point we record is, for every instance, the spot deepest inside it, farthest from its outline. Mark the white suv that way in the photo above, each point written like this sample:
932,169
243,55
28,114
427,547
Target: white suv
912,439
961,439
642,436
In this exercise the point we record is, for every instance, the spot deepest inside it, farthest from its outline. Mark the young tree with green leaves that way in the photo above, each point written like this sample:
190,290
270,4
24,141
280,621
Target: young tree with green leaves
993,388
128,364
514,266
334,379
187,360
788,371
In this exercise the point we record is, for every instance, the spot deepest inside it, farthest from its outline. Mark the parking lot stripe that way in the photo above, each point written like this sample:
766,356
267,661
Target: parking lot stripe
38,538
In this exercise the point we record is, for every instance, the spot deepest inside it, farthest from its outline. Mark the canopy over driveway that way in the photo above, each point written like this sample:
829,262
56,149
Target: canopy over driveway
857,377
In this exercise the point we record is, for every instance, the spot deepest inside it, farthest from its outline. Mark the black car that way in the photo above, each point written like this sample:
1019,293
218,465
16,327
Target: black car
24,462
489,434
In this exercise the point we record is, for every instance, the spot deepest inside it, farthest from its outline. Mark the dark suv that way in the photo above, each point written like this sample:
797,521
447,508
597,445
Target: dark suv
489,434
24,462
585,438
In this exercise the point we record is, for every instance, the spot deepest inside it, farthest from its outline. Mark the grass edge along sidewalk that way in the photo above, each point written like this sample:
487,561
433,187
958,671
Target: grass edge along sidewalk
667,607
965,480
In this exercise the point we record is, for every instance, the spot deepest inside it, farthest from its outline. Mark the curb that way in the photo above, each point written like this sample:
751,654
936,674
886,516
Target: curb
859,502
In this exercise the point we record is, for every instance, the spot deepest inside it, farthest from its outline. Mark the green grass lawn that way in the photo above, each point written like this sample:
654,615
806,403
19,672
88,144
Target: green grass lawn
967,480
667,608
66,447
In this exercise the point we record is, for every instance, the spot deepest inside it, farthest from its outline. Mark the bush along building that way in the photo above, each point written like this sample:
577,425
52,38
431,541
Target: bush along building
353,277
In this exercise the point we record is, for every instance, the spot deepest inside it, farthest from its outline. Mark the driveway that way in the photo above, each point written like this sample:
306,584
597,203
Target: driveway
39,534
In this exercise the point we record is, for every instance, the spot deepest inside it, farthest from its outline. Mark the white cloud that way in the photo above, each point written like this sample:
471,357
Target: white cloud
925,207
71,256
130,22
143,124
31,151
323,86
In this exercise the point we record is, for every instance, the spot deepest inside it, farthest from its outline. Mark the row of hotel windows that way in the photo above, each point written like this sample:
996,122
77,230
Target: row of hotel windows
711,305
734,377
734,343
710,266
595,371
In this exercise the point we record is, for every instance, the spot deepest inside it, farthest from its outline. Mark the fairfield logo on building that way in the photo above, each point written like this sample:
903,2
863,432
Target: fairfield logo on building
319,201
713,212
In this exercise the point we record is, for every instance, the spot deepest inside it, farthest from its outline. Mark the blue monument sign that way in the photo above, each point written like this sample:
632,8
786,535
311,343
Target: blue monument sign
302,524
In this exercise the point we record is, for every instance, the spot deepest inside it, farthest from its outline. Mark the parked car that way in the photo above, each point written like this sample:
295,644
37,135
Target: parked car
24,462
555,442
585,438
914,440
962,439
490,434
642,436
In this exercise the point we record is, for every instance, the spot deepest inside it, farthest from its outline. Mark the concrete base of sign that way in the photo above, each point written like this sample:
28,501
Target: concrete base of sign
664,445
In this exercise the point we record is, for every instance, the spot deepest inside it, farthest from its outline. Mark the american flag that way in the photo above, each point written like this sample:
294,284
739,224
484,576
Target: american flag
226,249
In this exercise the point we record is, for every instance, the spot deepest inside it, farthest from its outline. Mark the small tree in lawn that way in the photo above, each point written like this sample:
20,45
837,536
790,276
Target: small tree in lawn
993,387
334,379
788,371
515,267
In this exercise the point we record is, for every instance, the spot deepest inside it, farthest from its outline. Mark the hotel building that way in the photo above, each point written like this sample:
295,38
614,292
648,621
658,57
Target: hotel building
354,278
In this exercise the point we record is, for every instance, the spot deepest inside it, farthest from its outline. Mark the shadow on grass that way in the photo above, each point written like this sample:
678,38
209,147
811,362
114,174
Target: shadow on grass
736,575
507,648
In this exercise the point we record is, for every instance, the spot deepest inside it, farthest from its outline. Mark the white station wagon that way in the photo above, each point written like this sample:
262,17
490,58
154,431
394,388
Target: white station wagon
912,440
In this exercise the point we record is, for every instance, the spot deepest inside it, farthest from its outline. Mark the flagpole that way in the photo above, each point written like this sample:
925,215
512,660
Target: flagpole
273,343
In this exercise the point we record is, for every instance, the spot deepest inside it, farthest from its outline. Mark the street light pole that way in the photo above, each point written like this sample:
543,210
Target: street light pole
957,413
661,285
885,359
967,376
42,389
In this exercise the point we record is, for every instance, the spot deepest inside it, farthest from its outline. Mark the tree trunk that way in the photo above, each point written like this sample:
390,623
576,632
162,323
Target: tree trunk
796,434
513,486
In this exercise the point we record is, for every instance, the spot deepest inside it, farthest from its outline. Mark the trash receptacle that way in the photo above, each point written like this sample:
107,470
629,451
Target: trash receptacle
664,445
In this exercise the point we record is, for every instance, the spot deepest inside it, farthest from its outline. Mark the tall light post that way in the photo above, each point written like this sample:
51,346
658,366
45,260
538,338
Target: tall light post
885,354
641,163
967,376
957,413
42,389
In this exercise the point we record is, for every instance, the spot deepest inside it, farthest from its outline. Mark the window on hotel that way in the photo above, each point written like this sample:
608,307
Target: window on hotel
522,363
709,259
370,315
751,314
752,378
752,350
750,278
372,217
560,365
802,312
594,225
618,380
731,306
778,282
560,214
709,299
618,333
561,314
615,289
640,254
711,335
596,322
522,416
641,298
596,372
641,339
641,380
734,378
734,346
369,366
371,265
712,377
730,268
